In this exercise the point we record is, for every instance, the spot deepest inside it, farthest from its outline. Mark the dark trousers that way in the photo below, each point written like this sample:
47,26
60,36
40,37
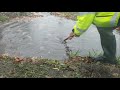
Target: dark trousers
108,42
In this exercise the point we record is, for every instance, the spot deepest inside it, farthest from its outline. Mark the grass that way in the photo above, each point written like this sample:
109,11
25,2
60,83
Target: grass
118,59
77,67
3,18
74,54
68,15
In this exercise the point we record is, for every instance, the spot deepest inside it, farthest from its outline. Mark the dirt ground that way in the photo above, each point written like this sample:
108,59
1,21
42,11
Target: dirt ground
77,67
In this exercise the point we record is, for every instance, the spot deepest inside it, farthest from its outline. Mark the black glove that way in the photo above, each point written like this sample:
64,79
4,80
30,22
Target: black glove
73,30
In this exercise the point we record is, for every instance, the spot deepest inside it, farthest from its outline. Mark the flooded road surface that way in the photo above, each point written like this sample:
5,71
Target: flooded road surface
41,37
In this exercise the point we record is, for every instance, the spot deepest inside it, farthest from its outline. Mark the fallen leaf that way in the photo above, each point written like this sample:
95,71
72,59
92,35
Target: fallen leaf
48,76
56,69
17,59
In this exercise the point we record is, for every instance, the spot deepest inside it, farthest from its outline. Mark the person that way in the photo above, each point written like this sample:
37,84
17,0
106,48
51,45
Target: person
105,23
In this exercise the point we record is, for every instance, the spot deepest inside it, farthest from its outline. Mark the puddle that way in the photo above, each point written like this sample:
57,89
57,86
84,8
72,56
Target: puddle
41,36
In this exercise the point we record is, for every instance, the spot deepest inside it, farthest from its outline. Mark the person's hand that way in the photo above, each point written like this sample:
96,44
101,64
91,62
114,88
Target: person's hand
71,35
118,28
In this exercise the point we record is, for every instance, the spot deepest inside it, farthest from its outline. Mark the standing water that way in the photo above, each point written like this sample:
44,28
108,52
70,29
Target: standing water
41,37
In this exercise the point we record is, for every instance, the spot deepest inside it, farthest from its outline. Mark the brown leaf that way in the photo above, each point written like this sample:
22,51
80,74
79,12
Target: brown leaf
17,59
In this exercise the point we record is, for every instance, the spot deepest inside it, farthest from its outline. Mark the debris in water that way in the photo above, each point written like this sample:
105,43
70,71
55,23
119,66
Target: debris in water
67,49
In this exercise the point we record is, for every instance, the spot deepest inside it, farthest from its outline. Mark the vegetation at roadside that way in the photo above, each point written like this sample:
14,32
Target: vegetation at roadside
68,15
4,16
74,67
77,67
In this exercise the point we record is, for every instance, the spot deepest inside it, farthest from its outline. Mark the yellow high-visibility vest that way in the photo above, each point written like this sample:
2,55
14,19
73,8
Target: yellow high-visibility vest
100,19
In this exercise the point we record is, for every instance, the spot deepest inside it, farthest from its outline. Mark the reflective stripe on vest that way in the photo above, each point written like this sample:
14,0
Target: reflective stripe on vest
113,20
81,31
84,13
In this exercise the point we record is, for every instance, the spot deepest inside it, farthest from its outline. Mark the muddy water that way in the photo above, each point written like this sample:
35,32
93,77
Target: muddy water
41,37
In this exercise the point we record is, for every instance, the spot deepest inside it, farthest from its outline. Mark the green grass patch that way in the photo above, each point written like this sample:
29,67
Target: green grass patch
44,68
3,18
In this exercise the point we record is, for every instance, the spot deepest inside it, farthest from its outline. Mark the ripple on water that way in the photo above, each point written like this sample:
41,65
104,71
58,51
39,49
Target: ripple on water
43,37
